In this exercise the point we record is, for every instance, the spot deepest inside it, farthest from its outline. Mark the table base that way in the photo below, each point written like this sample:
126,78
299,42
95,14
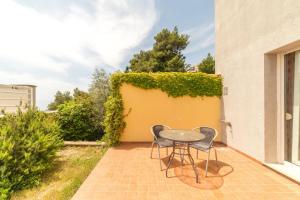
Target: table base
188,154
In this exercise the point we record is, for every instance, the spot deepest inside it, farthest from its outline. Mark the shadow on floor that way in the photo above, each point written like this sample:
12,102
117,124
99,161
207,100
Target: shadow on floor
215,173
185,173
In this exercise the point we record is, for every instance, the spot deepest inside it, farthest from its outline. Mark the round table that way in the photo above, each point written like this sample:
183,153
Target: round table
181,137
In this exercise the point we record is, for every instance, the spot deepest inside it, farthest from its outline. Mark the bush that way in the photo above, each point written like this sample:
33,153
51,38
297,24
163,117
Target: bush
79,121
28,144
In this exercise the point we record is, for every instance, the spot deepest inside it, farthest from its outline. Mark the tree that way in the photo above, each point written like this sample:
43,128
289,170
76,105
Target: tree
165,56
99,90
143,62
79,95
59,98
207,65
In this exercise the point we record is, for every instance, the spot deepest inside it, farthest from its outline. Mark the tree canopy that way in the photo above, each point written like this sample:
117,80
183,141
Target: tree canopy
207,65
99,90
79,95
60,98
63,97
165,56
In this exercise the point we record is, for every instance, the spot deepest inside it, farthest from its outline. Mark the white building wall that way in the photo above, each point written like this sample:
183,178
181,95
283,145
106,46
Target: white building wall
13,97
245,31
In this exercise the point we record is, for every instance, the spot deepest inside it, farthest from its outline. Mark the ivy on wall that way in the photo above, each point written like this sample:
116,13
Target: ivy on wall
175,84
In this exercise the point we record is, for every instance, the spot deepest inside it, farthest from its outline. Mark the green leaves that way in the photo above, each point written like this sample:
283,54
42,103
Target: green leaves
175,84
28,144
165,56
113,119
80,116
207,65
77,120
60,98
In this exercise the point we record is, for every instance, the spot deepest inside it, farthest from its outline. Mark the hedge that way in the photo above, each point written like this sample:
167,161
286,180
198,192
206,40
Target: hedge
175,84
28,144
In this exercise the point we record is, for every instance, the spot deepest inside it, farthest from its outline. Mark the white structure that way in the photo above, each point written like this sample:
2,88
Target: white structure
13,97
257,53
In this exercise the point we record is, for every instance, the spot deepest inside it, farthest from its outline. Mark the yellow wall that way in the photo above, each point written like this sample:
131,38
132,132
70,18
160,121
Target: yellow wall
149,107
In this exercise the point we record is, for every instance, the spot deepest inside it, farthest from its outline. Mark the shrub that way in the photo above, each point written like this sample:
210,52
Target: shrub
78,120
175,84
113,120
28,144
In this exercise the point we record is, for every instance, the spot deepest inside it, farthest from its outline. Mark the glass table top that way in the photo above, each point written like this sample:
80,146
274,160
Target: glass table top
181,135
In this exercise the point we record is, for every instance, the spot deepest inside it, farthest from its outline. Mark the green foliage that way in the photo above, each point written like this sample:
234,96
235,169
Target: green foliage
175,84
78,120
99,91
143,62
59,98
207,65
113,119
80,116
28,144
68,173
166,55
79,95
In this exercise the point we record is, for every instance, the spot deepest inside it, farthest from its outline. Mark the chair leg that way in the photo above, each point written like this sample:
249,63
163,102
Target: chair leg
152,149
206,168
197,154
167,150
216,156
158,149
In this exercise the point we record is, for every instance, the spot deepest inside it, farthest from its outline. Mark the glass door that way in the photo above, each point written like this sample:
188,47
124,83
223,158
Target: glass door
292,107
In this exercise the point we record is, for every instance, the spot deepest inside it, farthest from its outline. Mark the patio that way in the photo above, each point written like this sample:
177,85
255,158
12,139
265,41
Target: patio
127,172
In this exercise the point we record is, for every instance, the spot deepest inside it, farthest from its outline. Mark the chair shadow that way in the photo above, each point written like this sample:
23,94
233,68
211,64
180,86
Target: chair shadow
216,173
215,167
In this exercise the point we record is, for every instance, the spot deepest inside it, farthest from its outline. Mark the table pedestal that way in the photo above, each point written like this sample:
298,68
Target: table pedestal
182,154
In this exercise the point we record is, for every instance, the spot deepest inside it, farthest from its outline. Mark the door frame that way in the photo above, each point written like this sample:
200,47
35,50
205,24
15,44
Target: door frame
281,104
280,107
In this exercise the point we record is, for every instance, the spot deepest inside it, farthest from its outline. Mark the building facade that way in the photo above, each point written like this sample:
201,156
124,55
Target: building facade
14,97
257,53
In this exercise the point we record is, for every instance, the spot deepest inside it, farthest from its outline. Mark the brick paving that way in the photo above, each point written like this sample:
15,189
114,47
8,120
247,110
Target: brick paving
126,172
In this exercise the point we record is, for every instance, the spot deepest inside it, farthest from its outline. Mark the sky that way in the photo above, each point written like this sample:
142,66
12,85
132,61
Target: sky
57,44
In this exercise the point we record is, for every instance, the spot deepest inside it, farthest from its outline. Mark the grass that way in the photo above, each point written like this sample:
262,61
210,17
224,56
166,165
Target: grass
70,170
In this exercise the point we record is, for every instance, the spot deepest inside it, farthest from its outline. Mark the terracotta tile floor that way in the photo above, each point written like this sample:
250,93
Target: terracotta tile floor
126,172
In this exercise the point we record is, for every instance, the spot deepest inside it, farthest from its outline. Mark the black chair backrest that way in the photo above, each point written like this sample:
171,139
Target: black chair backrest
209,134
156,129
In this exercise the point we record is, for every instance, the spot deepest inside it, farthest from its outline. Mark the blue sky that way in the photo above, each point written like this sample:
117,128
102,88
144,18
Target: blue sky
193,17
57,44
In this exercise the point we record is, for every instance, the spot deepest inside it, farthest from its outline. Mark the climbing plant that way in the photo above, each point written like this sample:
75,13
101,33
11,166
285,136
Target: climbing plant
175,84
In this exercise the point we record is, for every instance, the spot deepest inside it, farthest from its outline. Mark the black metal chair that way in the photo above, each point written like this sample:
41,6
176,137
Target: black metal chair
206,144
159,141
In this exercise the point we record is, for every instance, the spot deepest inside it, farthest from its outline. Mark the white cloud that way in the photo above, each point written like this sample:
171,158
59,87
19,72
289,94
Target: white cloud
200,38
44,43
